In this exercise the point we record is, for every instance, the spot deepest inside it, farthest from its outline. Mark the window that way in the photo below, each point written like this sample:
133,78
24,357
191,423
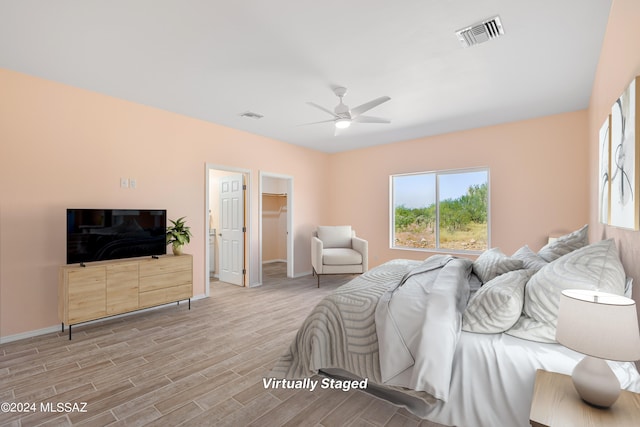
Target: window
447,210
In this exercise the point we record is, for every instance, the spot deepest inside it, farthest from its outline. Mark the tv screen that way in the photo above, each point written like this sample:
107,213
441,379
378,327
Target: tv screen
102,234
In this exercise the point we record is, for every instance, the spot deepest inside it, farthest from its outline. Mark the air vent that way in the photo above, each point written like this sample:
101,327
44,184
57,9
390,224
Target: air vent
480,32
251,115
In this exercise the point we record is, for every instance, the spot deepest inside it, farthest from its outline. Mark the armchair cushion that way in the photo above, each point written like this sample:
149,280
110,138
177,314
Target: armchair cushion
341,256
338,236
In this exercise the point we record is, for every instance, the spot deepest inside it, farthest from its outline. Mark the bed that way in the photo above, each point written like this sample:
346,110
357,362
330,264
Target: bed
456,341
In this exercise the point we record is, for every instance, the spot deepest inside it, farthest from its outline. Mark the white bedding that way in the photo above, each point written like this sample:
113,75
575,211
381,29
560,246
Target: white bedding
491,375
492,381
418,325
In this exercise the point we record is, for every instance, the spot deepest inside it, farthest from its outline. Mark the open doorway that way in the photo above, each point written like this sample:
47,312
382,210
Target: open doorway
276,238
227,201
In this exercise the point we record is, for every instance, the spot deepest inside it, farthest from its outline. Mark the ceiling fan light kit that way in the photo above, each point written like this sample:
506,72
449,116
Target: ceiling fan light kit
342,123
343,116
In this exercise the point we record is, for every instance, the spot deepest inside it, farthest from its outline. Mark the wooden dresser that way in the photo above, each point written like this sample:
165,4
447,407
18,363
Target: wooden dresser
106,288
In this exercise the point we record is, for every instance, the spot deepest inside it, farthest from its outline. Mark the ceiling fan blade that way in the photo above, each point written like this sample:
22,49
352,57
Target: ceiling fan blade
371,119
315,123
355,112
320,107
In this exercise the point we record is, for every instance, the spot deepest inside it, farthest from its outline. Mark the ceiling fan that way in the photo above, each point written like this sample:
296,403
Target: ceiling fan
343,116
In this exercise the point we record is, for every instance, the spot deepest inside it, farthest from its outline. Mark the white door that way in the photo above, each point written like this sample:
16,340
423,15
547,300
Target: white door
232,229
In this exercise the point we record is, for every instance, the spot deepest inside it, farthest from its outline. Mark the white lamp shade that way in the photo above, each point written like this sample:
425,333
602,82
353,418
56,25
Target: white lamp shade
599,324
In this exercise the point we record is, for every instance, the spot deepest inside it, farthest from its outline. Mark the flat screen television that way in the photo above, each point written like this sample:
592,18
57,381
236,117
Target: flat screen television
103,234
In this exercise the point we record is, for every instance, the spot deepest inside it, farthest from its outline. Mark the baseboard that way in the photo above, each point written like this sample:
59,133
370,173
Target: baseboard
30,334
57,328
271,261
306,273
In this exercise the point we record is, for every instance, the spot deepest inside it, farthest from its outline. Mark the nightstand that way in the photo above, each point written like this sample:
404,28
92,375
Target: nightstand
556,403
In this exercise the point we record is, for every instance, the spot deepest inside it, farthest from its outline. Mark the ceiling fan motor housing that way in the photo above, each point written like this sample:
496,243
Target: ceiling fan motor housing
341,109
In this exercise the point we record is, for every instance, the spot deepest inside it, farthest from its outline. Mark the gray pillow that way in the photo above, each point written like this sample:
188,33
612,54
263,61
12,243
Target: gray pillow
497,306
565,244
492,263
595,267
530,259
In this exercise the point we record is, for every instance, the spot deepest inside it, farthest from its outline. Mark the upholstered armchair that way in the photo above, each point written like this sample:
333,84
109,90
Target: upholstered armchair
337,250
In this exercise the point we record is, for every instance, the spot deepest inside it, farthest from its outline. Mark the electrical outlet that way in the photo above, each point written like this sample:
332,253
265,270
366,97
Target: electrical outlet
133,183
124,183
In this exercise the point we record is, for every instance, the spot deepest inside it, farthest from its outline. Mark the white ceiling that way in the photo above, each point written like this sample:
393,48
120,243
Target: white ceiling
214,60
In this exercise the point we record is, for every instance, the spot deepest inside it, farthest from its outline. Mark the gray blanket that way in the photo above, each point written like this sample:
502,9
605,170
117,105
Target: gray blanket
419,323
341,330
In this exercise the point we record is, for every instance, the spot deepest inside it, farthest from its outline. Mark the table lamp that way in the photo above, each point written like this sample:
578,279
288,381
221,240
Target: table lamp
602,326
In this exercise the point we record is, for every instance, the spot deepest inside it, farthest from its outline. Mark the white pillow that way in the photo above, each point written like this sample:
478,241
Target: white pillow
565,244
529,258
595,267
497,306
492,263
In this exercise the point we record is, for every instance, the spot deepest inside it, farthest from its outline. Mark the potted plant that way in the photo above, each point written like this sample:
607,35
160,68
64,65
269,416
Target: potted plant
178,234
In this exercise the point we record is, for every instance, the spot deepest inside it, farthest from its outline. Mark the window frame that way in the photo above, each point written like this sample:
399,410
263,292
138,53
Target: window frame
437,174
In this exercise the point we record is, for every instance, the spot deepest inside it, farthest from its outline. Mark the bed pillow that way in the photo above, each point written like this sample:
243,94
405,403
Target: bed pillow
497,306
565,244
594,267
529,258
492,263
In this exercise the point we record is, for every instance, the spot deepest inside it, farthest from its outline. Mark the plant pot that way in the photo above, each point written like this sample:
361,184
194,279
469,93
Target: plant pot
177,249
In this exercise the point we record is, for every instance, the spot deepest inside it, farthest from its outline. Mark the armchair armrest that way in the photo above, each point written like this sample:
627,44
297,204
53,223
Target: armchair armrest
316,254
361,246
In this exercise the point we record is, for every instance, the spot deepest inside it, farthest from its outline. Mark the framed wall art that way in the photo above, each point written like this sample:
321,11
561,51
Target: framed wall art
604,182
624,160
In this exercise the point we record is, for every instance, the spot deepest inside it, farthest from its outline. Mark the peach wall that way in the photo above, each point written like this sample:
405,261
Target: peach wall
66,147
538,180
61,147
619,64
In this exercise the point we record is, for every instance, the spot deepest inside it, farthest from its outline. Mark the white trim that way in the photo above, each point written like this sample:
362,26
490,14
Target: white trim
30,334
437,174
248,209
303,274
290,240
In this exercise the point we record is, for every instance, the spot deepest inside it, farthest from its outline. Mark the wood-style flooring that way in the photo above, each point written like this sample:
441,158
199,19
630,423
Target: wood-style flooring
173,366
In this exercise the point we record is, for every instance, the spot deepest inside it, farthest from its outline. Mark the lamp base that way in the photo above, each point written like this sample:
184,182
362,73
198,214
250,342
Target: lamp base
595,382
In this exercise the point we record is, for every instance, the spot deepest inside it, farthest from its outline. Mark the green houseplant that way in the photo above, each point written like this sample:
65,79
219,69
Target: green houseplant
178,234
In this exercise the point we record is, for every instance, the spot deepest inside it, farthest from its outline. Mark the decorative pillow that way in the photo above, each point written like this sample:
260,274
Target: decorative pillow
497,306
529,258
335,236
492,263
474,282
565,244
594,267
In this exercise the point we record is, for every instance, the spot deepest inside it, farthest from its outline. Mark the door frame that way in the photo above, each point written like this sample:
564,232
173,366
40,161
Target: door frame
290,240
247,208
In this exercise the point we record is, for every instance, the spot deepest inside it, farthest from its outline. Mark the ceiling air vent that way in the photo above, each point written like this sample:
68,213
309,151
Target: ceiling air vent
251,115
480,32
